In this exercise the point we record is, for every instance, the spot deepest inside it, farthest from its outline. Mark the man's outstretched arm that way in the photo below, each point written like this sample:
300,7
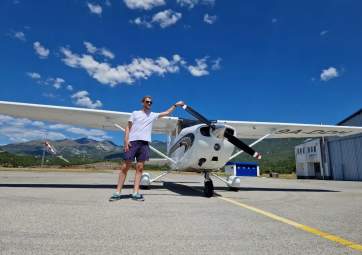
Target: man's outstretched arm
171,109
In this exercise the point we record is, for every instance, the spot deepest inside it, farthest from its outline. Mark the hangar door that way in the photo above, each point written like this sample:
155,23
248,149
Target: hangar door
345,156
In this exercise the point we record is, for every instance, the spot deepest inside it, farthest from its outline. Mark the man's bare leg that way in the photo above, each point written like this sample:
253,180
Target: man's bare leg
123,174
138,175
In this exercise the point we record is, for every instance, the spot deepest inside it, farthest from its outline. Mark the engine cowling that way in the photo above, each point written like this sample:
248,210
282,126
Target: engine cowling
201,147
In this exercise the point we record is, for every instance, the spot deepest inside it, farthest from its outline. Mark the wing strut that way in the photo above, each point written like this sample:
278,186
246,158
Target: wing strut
152,148
251,145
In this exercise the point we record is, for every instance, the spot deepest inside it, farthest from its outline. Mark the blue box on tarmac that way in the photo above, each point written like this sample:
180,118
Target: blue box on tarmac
242,168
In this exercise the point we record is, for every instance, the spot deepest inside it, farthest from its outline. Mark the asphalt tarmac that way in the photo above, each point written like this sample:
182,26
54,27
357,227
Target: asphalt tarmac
69,213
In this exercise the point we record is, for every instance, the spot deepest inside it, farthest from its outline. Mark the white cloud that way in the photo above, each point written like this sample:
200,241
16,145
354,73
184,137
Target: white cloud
216,64
5,118
142,68
33,75
49,95
86,132
38,124
82,99
139,68
192,3
57,82
17,122
108,3
188,3
58,126
107,53
324,32
17,134
24,130
328,74
166,18
144,4
41,50
101,51
95,134
141,22
95,8
200,69
102,72
90,48
18,35
209,19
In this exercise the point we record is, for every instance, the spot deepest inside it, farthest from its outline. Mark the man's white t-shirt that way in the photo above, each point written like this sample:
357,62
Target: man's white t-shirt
141,125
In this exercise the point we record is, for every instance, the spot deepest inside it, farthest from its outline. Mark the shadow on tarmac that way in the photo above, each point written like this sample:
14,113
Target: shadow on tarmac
178,188
60,186
183,190
173,187
276,189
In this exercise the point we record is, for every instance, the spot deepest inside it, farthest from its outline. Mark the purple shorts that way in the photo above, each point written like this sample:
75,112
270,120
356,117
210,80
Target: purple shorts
139,149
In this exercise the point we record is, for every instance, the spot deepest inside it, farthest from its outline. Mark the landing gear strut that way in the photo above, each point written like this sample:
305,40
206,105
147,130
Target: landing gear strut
208,185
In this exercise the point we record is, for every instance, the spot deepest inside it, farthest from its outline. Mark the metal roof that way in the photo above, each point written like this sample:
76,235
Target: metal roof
349,117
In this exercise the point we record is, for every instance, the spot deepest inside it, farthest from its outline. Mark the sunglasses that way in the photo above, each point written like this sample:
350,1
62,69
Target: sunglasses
148,102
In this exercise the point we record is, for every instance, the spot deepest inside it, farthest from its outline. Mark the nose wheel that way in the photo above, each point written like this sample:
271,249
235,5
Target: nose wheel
208,185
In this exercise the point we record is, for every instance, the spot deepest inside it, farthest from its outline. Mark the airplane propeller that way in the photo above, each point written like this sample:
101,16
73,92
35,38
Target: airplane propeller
230,137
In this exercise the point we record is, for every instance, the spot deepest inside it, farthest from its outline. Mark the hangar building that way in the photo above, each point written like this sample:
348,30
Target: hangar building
335,158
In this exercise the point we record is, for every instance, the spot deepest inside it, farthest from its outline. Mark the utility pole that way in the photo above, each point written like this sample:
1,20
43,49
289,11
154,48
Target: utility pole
323,155
43,157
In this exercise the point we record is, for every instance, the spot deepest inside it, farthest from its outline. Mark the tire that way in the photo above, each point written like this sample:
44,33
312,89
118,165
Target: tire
208,188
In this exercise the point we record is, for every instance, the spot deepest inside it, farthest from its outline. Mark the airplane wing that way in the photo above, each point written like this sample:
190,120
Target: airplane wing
90,118
255,130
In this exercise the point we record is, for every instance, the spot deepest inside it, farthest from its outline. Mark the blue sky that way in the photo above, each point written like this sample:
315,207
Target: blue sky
261,60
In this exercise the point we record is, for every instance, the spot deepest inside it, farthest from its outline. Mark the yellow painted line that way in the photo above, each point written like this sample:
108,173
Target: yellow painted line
311,230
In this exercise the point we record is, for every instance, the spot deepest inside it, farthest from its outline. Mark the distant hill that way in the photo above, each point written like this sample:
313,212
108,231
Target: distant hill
83,147
79,150
277,154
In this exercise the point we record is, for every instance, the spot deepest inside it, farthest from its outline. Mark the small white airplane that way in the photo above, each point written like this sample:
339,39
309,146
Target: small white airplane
202,146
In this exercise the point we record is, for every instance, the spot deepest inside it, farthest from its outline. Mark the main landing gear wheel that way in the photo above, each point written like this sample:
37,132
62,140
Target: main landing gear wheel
208,186
145,181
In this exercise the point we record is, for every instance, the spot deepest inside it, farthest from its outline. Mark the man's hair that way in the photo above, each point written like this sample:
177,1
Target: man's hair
144,98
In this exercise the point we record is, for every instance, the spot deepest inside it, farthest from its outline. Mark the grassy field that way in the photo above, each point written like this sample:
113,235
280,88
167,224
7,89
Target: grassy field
282,176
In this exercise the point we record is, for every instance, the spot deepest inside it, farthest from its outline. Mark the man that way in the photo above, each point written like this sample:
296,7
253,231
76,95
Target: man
136,139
